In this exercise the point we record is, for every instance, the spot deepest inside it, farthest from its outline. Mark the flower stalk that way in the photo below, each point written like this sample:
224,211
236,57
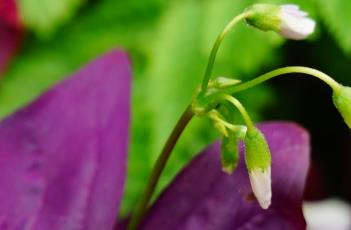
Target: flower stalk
158,168
282,71
215,48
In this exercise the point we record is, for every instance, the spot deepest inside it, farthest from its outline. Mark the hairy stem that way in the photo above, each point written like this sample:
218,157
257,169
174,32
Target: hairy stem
241,109
215,48
158,168
285,70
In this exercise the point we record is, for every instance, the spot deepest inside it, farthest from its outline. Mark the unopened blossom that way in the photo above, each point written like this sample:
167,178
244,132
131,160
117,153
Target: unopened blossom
261,185
258,163
294,22
287,20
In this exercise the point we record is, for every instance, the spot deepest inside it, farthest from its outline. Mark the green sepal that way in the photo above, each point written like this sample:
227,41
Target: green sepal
342,101
257,153
223,82
264,17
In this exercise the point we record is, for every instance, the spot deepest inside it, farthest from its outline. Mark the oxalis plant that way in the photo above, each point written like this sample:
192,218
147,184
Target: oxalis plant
63,157
215,99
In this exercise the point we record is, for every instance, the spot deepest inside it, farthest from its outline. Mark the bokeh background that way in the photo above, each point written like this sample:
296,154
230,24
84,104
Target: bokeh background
44,41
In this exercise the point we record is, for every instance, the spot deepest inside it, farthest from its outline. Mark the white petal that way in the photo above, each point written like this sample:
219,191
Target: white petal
296,27
327,214
293,10
290,6
261,186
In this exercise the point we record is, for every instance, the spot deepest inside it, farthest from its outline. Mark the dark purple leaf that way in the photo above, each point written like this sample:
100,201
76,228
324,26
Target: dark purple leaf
9,14
63,158
202,197
10,32
10,41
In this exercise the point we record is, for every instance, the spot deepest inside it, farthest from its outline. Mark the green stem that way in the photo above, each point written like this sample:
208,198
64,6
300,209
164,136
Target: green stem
217,117
215,48
285,70
158,168
241,109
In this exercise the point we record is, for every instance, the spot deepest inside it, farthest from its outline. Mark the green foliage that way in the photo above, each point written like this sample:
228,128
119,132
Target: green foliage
43,16
342,101
336,14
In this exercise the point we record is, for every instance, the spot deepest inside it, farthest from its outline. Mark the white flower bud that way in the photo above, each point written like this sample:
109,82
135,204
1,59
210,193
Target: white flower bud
261,186
294,23
258,163
287,20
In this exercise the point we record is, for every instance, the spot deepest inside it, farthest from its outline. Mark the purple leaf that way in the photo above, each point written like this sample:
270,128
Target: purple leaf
9,14
10,32
203,197
63,158
10,41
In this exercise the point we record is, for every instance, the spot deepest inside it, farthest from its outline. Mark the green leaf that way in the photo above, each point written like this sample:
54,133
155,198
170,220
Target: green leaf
44,16
337,17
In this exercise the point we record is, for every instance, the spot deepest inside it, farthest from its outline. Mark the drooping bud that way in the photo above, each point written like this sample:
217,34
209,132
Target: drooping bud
295,23
264,17
287,20
342,101
230,149
261,186
258,163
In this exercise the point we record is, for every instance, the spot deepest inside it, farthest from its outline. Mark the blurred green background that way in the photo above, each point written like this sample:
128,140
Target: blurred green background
169,43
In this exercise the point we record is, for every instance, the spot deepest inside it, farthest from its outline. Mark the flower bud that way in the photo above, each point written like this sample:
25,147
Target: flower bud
230,153
261,186
287,20
258,163
342,101
264,17
294,23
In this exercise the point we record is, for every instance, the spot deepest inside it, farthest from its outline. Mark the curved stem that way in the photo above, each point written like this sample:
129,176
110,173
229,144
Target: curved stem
285,70
215,48
158,168
241,109
217,117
